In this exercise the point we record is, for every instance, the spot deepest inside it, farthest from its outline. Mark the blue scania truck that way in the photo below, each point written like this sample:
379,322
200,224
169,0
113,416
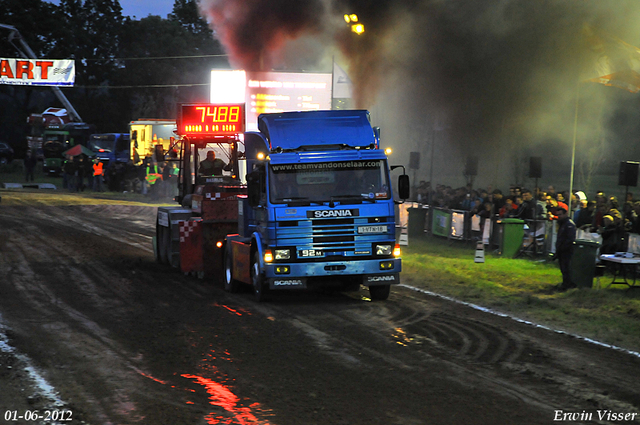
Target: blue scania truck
319,210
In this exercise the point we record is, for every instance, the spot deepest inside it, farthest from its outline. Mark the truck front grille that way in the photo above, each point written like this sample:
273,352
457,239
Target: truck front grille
331,235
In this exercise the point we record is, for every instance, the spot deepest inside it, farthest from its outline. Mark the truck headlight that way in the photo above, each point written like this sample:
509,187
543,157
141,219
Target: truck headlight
282,254
383,249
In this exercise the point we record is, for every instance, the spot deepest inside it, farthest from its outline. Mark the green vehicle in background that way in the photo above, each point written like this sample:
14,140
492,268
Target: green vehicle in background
58,138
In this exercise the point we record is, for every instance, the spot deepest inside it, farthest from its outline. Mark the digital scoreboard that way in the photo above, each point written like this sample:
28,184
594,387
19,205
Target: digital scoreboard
211,119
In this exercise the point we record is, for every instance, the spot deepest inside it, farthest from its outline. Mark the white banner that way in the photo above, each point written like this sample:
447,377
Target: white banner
37,72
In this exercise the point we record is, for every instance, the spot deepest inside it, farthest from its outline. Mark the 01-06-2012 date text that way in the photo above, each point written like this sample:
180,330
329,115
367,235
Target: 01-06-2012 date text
56,415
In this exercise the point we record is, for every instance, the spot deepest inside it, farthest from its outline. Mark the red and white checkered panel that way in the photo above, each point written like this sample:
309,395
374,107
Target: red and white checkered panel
191,245
188,227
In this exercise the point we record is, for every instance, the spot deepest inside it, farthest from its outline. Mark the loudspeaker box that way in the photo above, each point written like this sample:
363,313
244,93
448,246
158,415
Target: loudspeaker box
535,167
471,168
628,173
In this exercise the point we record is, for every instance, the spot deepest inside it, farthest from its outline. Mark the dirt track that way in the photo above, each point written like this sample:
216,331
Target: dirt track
124,340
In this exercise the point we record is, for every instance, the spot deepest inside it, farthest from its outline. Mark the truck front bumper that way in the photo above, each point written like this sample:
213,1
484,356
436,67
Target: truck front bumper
301,275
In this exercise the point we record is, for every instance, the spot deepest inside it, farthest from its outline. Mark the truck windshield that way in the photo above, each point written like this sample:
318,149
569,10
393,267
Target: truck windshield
215,159
54,145
101,144
327,181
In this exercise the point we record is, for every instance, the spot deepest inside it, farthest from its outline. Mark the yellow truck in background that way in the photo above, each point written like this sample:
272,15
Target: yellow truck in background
145,134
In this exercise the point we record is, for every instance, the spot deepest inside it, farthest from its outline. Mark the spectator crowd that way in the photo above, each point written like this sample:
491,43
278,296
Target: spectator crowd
81,173
603,214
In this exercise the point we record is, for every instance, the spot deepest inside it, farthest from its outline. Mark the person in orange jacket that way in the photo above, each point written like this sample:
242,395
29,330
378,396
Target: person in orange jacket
98,174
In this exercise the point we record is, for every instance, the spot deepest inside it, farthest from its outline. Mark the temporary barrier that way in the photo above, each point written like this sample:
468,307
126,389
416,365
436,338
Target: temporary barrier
457,225
459,228
534,236
551,234
440,222
452,224
486,233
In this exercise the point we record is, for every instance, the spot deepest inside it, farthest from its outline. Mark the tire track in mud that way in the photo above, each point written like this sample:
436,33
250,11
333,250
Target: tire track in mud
53,288
364,335
535,358
473,340
529,364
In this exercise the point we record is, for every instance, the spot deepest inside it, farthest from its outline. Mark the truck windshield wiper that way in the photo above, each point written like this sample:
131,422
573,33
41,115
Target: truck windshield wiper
292,198
351,198
298,201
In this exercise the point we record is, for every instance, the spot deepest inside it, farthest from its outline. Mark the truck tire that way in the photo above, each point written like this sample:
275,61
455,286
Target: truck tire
379,292
257,280
230,284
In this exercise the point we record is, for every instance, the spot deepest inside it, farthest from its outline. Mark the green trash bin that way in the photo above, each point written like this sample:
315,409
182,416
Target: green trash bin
583,262
416,221
512,235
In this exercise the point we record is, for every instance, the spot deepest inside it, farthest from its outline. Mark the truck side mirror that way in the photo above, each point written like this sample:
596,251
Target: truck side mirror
134,137
376,133
404,186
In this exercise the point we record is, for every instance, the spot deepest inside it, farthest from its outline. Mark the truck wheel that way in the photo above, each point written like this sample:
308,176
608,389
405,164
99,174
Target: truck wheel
256,278
230,284
380,292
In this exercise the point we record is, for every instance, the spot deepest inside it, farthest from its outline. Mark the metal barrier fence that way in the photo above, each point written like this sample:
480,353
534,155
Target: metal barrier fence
461,225
538,236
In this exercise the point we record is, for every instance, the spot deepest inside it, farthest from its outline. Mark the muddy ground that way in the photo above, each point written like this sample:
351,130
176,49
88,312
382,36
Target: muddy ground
89,323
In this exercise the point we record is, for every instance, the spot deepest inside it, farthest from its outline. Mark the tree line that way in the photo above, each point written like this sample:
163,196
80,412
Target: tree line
126,69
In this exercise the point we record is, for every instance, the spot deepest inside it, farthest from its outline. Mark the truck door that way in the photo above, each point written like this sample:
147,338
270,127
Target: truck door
257,196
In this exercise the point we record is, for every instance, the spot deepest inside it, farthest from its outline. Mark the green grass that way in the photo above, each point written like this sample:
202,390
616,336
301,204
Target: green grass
14,173
524,288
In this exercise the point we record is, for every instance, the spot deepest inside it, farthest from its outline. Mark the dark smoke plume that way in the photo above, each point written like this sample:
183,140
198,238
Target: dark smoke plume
253,31
495,74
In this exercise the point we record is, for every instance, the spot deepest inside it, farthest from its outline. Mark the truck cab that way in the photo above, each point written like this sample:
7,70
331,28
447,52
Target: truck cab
110,147
319,211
